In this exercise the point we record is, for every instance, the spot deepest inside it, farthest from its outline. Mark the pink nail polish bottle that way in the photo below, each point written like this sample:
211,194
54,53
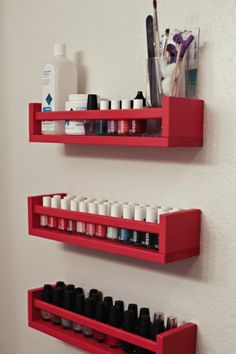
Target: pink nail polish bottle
62,223
101,230
44,218
81,225
91,227
71,226
55,203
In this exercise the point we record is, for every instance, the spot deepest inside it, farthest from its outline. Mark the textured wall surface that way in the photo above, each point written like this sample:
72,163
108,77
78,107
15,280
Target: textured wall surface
109,38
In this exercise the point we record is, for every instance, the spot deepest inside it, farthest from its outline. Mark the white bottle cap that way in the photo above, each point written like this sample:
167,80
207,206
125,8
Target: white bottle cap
102,209
161,211
65,204
47,201
125,104
104,105
78,97
55,202
128,211
57,196
139,213
83,206
151,214
59,49
116,210
138,104
73,205
92,207
115,104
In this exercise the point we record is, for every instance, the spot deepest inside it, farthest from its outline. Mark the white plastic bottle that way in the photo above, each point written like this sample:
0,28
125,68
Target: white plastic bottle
59,80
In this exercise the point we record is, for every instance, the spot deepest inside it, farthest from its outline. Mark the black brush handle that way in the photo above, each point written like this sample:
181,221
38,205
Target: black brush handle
151,61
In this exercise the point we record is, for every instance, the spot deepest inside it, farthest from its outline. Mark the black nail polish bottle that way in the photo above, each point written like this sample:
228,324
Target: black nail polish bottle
57,300
114,321
47,297
79,290
97,296
120,304
92,291
144,311
60,284
90,125
70,287
129,326
68,304
79,308
158,325
144,330
89,311
100,316
134,308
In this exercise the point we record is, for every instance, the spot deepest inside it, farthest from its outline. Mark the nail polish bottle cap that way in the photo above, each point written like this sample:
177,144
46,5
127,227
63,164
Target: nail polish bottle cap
108,205
92,291
65,204
144,327
116,210
159,316
97,296
102,209
120,304
104,104
60,284
125,104
151,214
134,308
70,287
109,300
114,316
144,311
100,314
47,293
128,211
161,211
83,206
137,104
47,201
129,321
69,300
79,304
92,207
171,322
55,202
57,196
139,213
79,290
73,205
57,296
92,102
89,310
115,104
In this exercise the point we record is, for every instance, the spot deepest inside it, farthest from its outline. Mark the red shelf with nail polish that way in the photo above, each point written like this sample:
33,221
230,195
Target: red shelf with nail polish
179,232
182,124
180,340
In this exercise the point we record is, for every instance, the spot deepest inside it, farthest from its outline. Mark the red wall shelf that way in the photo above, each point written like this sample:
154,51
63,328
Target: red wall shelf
181,340
179,232
182,124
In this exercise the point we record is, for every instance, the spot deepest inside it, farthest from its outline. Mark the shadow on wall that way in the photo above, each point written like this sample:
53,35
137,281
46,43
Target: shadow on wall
82,71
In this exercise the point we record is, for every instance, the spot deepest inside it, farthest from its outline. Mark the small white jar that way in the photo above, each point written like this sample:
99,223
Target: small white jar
76,102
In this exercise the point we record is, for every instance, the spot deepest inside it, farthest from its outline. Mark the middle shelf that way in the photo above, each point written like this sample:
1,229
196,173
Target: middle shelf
177,233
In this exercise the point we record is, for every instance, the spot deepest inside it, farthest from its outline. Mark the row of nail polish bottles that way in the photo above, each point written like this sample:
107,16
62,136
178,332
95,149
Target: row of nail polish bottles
102,309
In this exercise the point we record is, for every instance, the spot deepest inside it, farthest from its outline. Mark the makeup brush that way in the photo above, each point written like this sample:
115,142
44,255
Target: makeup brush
156,30
165,42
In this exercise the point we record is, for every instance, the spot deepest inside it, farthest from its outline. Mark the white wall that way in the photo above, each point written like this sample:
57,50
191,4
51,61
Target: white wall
111,37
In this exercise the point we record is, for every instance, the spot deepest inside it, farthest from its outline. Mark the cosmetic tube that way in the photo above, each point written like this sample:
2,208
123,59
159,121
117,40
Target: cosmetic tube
137,236
90,313
101,230
112,232
47,297
62,223
44,218
57,300
124,235
52,220
71,225
81,225
68,304
90,227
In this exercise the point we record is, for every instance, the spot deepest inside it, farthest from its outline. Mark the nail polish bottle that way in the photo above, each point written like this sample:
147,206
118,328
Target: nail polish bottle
112,232
57,300
136,125
137,236
112,124
52,220
92,291
128,325
144,311
101,230
101,317
91,227
114,321
108,302
120,304
134,308
81,225
150,240
144,330
44,218
79,309
90,125
123,125
90,313
70,287
158,324
142,124
124,235
60,284
101,125
71,225
79,290
46,297
161,211
68,304
171,323
62,223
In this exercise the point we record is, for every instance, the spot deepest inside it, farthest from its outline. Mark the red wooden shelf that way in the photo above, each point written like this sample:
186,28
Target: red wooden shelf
179,232
181,340
182,124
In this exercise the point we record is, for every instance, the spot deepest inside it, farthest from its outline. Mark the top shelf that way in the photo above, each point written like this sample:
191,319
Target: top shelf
182,124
